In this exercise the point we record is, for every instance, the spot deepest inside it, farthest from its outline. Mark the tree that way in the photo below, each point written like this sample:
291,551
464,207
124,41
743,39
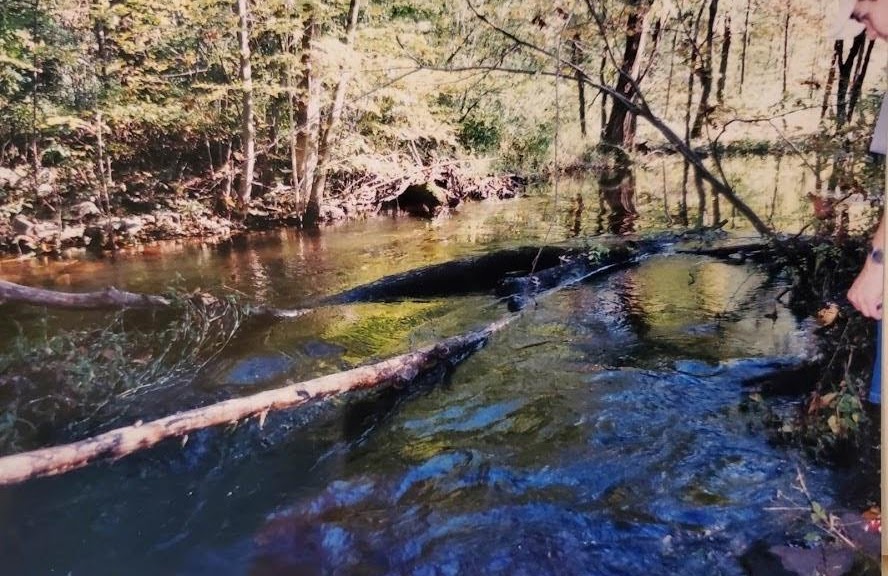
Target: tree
620,127
248,129
333,116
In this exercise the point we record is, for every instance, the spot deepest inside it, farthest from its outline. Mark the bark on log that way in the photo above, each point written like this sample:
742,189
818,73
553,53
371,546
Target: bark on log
127,440
106,299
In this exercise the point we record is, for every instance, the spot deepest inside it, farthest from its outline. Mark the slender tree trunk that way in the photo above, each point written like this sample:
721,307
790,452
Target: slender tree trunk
307,111
290,42
320,181
35,106
248,129
692,66
745,45
723,63
786,44
576,59
671,72
845,69
857,83
603,120
830,81
229,177
704,72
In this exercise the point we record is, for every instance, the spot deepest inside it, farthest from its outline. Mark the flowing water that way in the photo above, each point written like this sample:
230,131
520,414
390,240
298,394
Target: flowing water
602,433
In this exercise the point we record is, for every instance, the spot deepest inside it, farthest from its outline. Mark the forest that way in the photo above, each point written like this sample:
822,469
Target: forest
234,116
376,280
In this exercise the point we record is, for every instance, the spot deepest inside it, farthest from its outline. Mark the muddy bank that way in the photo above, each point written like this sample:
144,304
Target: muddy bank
55,219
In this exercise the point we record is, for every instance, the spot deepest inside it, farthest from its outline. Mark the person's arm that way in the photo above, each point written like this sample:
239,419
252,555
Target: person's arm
866,291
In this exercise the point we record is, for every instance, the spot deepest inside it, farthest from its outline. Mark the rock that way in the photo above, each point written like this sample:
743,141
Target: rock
426,200
131,226
25,243
169,223
45,230
70,233
23,225
44,190
827,560
330,213
84,209
94,237
9,179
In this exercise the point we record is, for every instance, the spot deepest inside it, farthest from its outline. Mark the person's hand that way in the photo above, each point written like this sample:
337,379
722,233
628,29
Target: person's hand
866,291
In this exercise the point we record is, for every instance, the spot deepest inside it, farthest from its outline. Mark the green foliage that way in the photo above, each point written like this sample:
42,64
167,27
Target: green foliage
527,151
411,12
480,135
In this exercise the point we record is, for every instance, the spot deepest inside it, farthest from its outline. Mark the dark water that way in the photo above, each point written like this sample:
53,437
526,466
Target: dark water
597,435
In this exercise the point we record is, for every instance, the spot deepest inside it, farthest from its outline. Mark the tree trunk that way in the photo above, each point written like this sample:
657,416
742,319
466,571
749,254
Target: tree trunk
857,83
745,45
603,111
110,298
671,74
618,130
830,81
786,45
845,69
289,50
576,58
704,72
723,63
316,197
248,129
307,112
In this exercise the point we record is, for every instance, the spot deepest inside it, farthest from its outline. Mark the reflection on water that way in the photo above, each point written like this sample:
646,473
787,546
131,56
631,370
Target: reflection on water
596,435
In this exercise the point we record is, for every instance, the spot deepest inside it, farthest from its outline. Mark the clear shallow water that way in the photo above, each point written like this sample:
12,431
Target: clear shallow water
593,436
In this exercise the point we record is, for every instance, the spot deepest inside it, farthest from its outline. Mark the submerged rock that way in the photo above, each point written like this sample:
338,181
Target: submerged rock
257,369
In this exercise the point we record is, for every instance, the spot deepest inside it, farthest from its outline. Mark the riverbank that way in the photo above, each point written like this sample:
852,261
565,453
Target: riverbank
55,221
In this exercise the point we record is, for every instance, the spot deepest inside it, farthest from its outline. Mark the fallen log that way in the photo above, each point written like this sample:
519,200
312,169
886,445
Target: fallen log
113,299
108,298
129,439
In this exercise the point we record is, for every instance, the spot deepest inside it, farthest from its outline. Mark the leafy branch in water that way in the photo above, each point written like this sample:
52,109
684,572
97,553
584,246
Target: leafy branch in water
59,387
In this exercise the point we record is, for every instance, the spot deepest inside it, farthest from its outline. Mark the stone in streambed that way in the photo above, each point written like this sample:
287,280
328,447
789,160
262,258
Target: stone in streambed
257,369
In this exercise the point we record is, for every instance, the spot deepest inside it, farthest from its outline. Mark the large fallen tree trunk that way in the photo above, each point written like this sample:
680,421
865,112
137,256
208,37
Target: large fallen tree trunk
127,440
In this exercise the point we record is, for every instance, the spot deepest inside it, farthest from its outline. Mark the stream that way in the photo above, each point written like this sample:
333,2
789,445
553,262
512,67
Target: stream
601,433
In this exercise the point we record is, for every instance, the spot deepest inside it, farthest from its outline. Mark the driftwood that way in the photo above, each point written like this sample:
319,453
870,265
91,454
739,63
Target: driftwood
113,299
104,299
127,440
